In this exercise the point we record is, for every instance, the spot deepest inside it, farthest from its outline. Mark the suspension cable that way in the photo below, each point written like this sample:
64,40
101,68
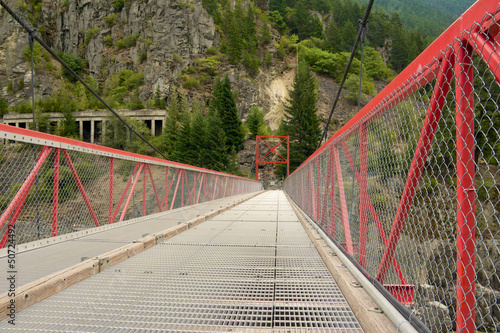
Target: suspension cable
346,71
32,31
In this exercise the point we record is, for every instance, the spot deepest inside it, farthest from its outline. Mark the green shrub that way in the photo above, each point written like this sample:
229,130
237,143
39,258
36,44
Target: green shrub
120,44
20,85
39,54
110,20
22,107
118,4
74,62
212,50
108,40
91,33
131,40
4,106
190,83
10,87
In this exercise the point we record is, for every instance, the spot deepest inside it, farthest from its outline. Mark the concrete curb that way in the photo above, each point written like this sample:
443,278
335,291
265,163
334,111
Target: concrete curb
38,290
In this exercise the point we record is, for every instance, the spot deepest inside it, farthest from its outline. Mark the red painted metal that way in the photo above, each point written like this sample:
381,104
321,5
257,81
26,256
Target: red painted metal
167,191
80,187
111,181
373,213
176,188
273,149
144,190
318,197
50,137
18,202
125,192
363,194
343,204
199,190
424,65
23,191
466,219
154,187
131,193
333,203
312,210
487,48
55,195
424,144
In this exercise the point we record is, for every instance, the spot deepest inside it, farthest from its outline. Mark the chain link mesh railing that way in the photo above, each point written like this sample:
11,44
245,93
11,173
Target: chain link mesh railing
409,188
51,186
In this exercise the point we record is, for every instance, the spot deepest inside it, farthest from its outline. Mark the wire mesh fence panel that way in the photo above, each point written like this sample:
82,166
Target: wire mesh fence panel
57,186
410,187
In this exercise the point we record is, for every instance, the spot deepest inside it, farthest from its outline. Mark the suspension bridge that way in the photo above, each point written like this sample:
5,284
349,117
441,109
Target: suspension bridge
392,225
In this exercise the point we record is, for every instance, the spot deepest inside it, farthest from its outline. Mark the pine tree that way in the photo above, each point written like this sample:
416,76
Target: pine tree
255,121
301,121
333,38
265,34
216,158
171,130
159,102
199,135
184,151
222,102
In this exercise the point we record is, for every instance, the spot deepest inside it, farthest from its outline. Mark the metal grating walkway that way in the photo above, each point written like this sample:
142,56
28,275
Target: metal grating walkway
250,269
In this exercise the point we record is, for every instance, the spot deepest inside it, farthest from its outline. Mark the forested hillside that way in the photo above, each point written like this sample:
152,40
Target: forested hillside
430,17
206,62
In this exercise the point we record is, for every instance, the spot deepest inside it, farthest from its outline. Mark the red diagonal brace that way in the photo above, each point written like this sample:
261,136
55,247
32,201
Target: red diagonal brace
124,211
424,145
125,192
373,213
154,187
343,204
80,187
55,195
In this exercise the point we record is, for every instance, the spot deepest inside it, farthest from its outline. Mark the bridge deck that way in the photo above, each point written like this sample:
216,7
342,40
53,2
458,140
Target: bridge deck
252,268
40,261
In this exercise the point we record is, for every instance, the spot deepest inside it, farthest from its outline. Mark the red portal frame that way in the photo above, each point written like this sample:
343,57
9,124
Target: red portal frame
272,149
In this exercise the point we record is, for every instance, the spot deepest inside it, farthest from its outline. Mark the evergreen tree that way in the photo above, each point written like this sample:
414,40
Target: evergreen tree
184,151
301,121
349,34
171,130
159,102
333,38
265,34
222,102
199,136
304,24
216,158
255,121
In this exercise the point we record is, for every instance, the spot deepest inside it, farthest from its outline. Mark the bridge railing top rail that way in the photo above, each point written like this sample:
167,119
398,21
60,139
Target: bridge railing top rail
34,137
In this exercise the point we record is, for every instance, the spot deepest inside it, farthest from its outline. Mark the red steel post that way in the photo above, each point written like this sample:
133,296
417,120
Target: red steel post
144,190
257,159
466,219
311,182
421,152
111,177
288,156
80,187
318,182
363,194
55,196
333,203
